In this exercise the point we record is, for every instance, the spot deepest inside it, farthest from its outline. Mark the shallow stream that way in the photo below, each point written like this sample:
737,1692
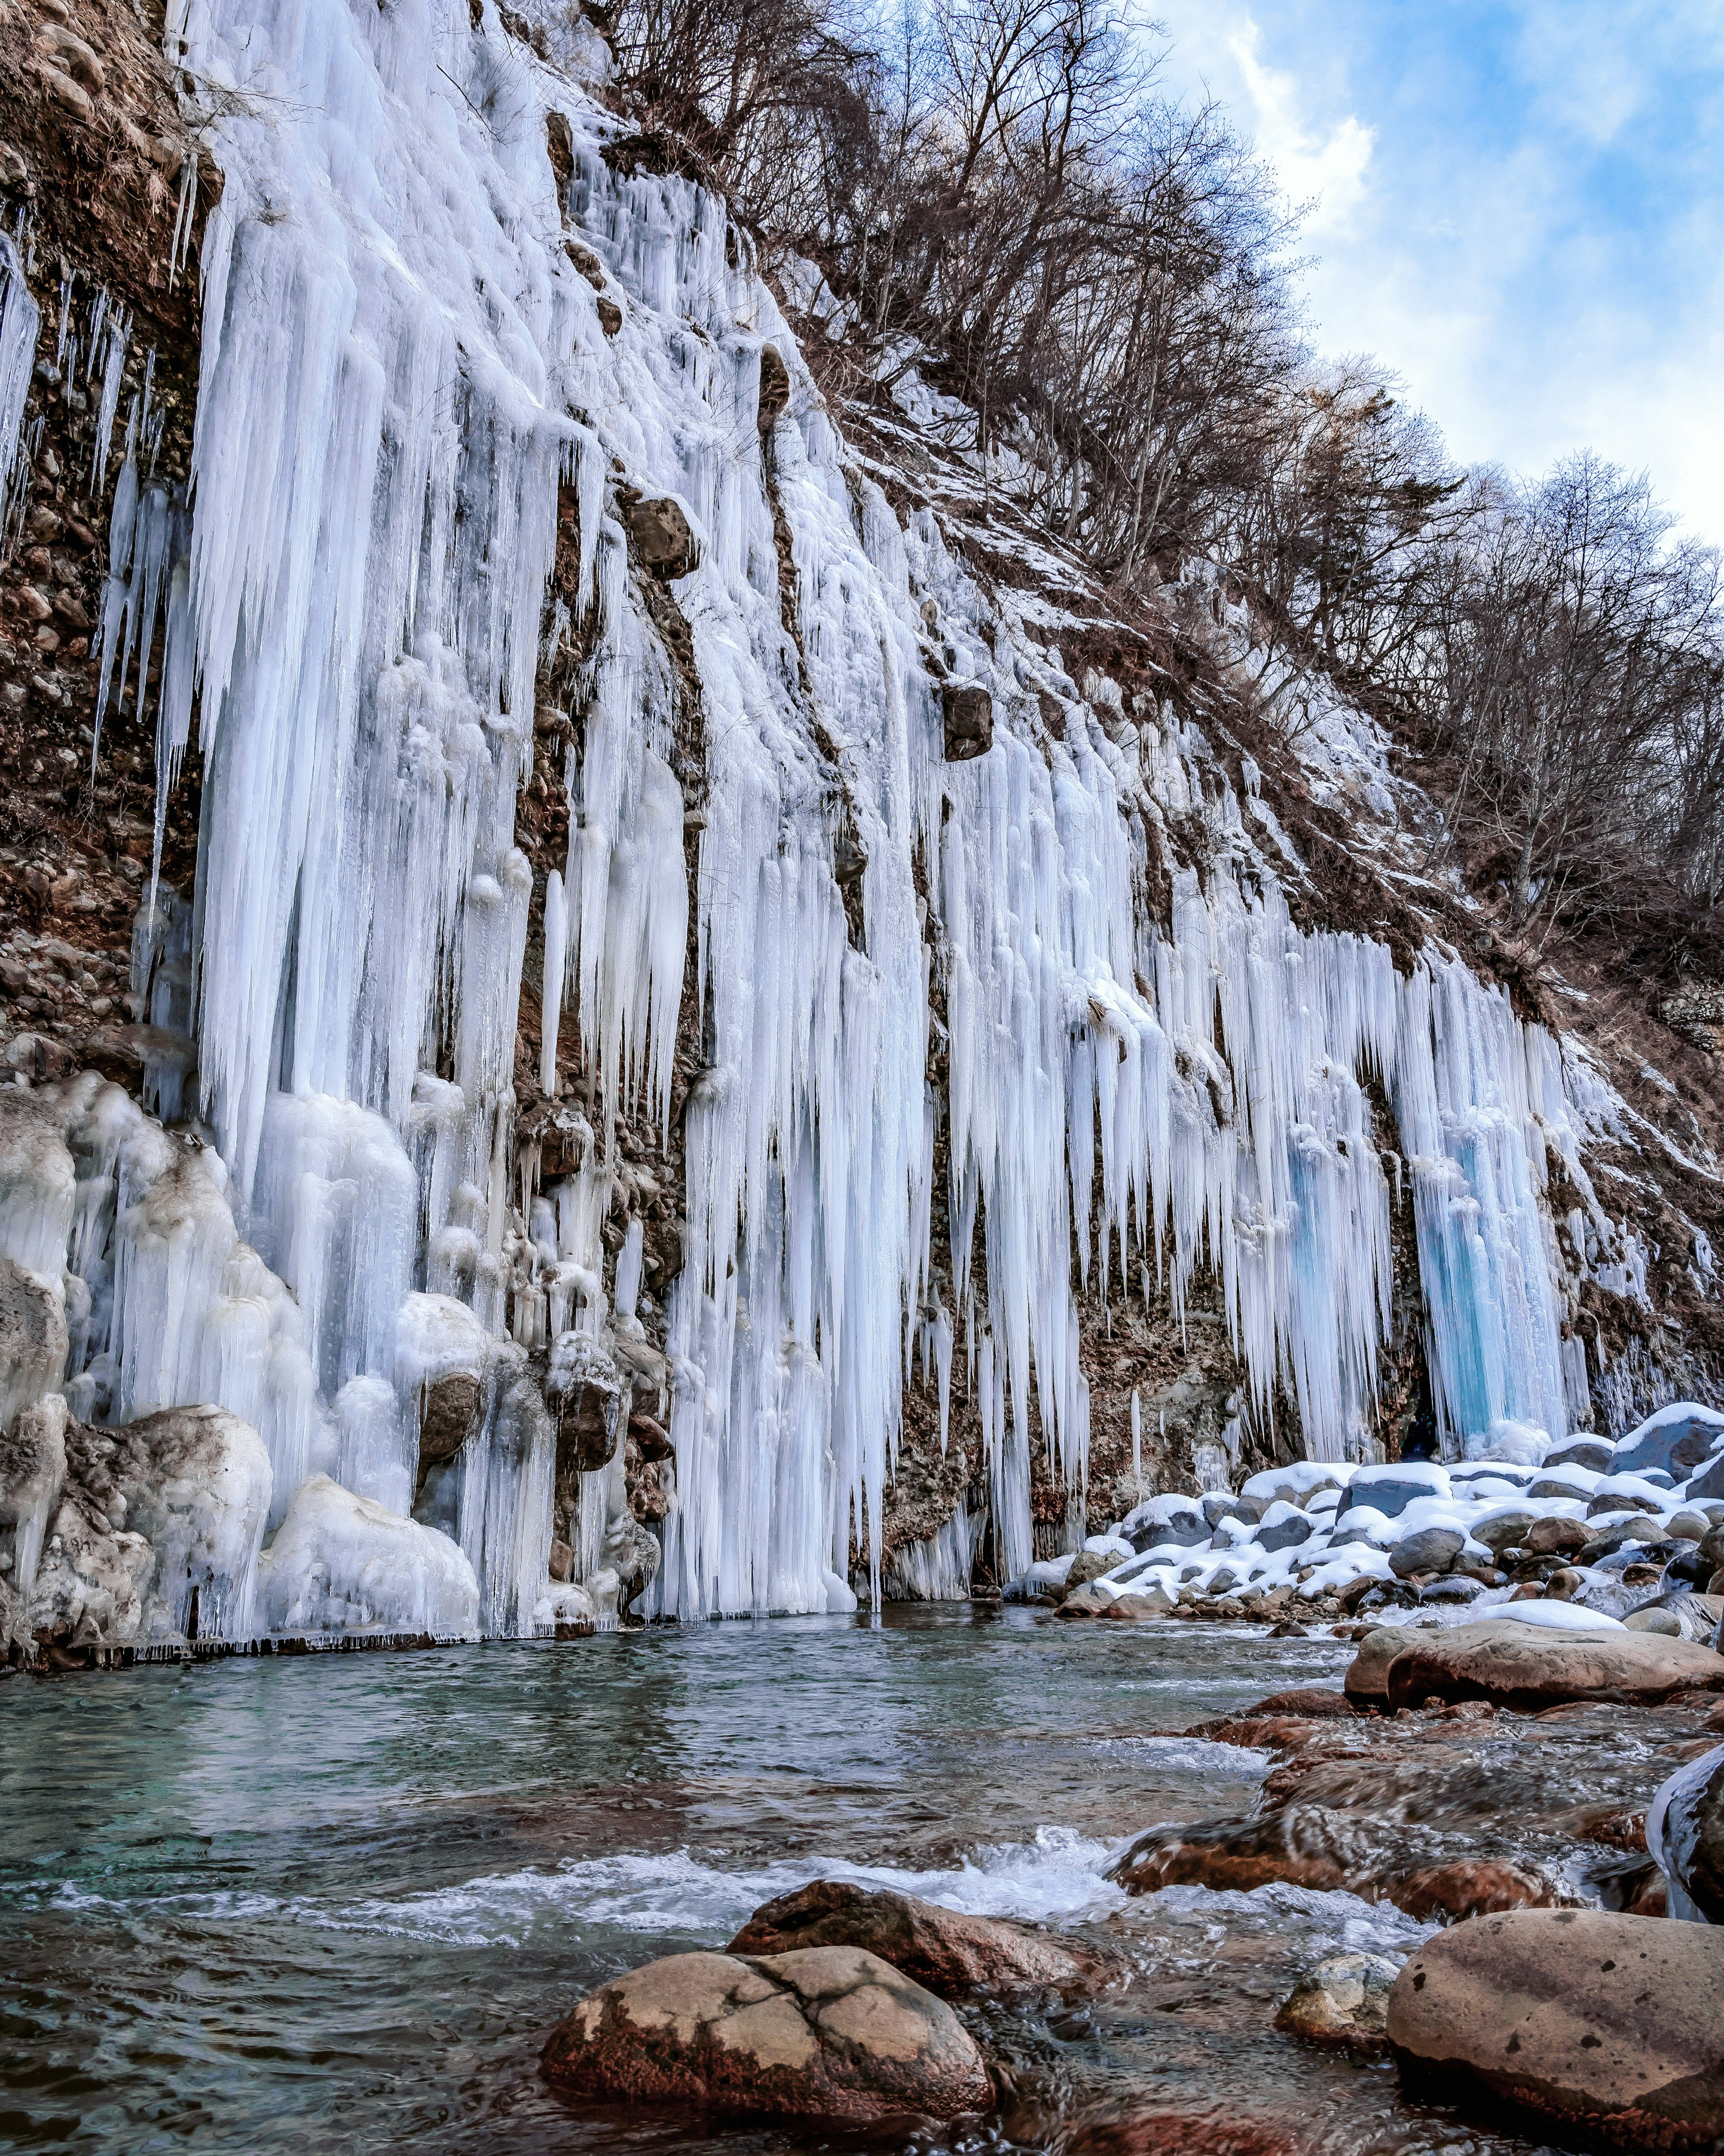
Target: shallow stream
334,1904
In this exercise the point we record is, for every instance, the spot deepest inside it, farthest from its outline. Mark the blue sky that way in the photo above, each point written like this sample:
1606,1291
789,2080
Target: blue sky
1519,207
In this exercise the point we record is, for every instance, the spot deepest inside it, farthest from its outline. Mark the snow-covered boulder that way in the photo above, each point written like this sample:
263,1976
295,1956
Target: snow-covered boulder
1391,1490
342,1563
1296,1483
1173,1517
1678,1439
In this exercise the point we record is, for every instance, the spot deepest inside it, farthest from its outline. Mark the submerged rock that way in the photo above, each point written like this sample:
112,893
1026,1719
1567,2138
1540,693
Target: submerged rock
943,1949
1343,2002
826,2032
1602,2024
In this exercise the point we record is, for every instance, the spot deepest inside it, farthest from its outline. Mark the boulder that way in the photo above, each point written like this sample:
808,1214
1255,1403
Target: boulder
1456,1587
1595,1454
824,2032
1343,2002
1086,1601
1219,1506
449,1411
1310,1702
1676,1439
1173,1518
1283,1527
1150,1602
1599,2024
1709,1483
1504,1529
1556,1537
1528,1667
1366,1680
1679,1617
1432,1549
1090,1565
949,1953
1685,1832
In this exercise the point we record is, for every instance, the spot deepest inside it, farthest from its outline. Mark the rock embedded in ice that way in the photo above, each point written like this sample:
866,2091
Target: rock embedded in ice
566,1601
343,1563
1597,2024
968,711
201,1505
33,1469
824,2032
951,1953
33,1338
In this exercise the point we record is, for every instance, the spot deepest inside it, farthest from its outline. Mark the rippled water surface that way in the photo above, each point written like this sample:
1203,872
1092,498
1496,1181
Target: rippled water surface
334,1904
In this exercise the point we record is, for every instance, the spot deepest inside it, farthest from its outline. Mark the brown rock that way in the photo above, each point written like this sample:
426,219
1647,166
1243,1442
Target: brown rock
1125,1607
967,710
1606,2026
1548,1537
1475,1886
1343,2003
827,2032
658,533
1366,1680
1141,2132
948,1952
1088,1565
774,386
448,1416
1528,1667
1314,1703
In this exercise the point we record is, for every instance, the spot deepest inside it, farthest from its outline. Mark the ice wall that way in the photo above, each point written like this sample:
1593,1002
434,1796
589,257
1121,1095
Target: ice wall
404,373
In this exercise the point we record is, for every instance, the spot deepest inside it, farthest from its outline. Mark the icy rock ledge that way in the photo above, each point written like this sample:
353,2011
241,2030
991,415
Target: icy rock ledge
342,1563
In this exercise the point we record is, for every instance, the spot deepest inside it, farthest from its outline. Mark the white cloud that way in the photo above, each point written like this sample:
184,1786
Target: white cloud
1327,172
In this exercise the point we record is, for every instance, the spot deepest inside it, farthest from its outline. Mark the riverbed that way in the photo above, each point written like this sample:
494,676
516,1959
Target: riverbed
334,1903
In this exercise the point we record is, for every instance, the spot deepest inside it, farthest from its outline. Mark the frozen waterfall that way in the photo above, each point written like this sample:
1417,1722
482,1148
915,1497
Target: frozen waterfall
407,389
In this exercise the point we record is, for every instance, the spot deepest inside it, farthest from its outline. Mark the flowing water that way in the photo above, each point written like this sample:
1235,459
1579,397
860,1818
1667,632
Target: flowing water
333,1905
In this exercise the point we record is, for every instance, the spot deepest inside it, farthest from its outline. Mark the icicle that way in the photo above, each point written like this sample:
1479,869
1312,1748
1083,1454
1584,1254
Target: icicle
550,1005
20,323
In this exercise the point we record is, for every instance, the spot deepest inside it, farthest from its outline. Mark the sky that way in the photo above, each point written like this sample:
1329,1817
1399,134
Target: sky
1519,207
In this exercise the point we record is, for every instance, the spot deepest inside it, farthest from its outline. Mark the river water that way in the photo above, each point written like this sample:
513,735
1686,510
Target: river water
334,1904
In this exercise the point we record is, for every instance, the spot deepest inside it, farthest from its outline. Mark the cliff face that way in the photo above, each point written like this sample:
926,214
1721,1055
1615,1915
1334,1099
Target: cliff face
662,999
